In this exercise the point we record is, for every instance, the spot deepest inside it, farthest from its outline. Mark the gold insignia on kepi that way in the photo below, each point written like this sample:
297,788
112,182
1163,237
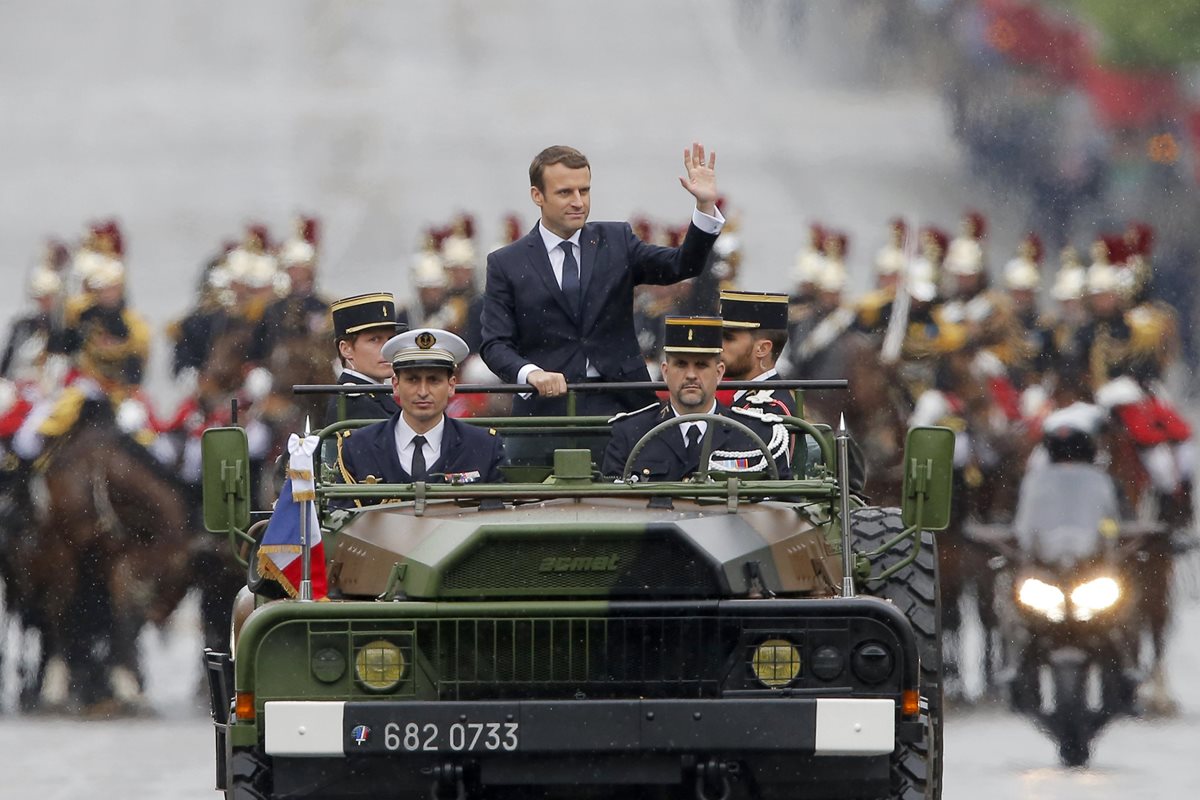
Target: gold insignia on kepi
692,335
426,340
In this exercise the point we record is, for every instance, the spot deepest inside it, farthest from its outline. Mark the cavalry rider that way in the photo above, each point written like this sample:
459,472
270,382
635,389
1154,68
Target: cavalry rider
362,325
301,313
29,335
809,262
875,309
1124,359
754,334
109,343
812,354
692,369
420,442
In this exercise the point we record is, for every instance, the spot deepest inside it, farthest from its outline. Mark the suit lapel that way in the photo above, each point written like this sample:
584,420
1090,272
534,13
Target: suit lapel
387,453
540,261
450,440
591,241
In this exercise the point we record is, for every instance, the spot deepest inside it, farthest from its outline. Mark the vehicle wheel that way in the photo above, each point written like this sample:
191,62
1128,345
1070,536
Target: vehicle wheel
915,590
249,776
1072,722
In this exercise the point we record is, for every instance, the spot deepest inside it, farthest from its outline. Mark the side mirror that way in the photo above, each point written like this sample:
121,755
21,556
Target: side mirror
225,455
928,476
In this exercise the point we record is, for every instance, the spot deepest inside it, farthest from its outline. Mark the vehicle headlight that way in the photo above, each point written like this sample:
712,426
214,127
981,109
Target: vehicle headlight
1088,599
379,665
1044,598
776,662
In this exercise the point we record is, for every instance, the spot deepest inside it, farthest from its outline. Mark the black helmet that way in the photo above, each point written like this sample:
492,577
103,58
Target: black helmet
1066,443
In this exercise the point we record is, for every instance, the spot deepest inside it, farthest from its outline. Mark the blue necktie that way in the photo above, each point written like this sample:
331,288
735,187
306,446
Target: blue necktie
570,278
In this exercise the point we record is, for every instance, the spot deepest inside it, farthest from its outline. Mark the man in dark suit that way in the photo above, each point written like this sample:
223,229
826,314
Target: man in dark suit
421,443
362,324
558,305
691,369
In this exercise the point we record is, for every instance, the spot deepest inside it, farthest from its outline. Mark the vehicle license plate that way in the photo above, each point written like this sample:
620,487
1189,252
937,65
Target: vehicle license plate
428,728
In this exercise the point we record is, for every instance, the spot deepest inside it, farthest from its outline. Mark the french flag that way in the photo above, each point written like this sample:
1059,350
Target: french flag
279,553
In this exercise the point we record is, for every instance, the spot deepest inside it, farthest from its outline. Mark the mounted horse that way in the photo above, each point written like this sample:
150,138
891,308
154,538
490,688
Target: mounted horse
109,554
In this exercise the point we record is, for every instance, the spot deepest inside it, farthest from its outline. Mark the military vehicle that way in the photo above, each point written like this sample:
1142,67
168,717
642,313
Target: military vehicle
564,634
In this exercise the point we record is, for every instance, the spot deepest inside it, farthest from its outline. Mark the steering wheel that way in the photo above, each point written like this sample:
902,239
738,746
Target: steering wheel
706,443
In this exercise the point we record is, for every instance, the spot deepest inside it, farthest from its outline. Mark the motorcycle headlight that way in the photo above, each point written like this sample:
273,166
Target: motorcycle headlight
1089,599
1044,598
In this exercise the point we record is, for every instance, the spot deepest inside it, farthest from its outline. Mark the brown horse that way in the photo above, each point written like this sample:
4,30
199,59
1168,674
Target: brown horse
110,554
1154,572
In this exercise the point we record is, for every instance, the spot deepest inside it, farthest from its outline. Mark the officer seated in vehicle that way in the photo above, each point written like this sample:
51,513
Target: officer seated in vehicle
692,369
419,442
1063,506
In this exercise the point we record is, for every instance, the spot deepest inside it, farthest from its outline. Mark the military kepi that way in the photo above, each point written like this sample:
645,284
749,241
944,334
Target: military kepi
693,335
361,312
750,310
425,347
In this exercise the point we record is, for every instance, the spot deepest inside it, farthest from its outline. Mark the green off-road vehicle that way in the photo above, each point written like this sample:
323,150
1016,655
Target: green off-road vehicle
567,635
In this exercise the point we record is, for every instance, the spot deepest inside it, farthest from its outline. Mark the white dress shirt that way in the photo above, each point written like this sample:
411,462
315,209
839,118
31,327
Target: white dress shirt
701,425
405,446
705,222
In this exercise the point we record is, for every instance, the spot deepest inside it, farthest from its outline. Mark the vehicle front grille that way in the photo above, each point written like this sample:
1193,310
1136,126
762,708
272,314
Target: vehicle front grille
565,657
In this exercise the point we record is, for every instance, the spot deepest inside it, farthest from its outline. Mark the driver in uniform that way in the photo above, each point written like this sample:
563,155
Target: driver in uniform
420,442
692,369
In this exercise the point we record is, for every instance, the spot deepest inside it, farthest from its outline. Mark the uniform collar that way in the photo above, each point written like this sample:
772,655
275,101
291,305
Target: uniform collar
766,376
433,436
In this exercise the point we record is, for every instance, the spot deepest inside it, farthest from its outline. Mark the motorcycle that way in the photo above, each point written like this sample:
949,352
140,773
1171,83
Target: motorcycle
1073,631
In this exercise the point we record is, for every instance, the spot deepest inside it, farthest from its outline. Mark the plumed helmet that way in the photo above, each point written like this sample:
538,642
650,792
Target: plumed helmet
1030,248
457,251
297,253
1021,274
106,273
832,277
428,272
44,282
974,225
1103,278
964,257
1069,283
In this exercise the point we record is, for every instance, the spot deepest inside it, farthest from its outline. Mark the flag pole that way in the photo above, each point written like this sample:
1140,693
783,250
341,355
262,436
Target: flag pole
305,550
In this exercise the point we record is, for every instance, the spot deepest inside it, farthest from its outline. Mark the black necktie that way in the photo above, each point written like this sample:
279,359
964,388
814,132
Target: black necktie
570,278
693,445
418,462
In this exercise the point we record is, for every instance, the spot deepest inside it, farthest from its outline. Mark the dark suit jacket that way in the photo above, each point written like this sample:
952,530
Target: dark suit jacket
465,448
526,319
665,458
360,406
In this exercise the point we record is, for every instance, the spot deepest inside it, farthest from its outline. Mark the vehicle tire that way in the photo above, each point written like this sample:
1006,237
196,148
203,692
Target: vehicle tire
1072,722
915,590
249,776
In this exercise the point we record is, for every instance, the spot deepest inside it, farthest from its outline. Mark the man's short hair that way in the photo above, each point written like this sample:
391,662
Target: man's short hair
777,338
557,154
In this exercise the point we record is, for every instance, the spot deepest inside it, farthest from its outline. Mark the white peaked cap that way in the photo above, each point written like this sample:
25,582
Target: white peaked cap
964,257
1021,273
428,272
